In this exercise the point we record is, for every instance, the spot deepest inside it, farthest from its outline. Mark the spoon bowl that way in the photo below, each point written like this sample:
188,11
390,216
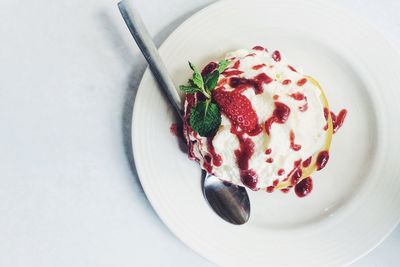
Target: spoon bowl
229,201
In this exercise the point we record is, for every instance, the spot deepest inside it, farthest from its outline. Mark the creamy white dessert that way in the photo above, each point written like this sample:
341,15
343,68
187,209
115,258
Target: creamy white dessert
275,128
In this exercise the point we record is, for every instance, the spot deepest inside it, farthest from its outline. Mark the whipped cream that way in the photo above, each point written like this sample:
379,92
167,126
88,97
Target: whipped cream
279,147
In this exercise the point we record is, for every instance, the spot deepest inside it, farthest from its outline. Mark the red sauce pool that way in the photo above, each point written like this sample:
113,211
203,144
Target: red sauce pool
276,55
249,179
307,162
322,159
279,115
270,189
304,188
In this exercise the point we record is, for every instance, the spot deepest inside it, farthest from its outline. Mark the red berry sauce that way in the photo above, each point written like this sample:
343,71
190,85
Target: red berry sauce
307,162
228,73
251,55
276,55
243,154
236,65
301,82
210,67
304,107
270,189
304,188
257,67
322,159
286,82
207,163
256,83
297,96
326,113
295,147
337,120
216,158
249,179
279,115
297,163
294,179
281,112
281,172
259,48
291,68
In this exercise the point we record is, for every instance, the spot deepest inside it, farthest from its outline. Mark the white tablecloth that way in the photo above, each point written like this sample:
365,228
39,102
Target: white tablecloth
69,195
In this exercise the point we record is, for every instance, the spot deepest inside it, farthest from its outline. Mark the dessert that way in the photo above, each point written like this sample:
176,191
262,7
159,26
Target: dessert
253,120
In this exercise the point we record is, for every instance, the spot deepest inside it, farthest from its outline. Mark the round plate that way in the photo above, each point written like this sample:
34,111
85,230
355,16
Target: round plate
355,202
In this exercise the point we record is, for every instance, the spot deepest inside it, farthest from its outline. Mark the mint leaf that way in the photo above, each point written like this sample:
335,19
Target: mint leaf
197,79
222,65
205,118
212,80
189,89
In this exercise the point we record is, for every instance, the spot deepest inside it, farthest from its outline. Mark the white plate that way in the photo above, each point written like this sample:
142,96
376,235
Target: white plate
356,199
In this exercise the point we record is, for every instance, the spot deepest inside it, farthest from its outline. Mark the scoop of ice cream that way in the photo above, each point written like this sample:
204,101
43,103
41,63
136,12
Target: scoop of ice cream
276,126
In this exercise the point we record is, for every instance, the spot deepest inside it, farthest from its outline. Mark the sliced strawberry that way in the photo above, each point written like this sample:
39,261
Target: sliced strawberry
237,108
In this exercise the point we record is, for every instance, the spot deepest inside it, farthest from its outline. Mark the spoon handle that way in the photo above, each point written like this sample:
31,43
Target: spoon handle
149,50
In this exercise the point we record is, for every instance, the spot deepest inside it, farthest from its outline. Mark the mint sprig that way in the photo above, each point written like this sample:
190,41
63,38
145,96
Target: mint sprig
197,78
211,80
222,65
205,117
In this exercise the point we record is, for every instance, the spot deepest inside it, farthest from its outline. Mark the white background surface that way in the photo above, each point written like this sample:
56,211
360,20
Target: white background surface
69,195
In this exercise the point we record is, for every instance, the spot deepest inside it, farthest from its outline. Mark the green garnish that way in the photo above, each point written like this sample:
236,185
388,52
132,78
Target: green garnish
205,117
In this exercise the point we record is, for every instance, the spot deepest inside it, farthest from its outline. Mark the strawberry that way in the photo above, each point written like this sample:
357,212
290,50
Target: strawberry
237,108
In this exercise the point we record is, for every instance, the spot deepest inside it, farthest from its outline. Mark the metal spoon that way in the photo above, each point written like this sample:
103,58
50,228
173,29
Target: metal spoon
229,201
